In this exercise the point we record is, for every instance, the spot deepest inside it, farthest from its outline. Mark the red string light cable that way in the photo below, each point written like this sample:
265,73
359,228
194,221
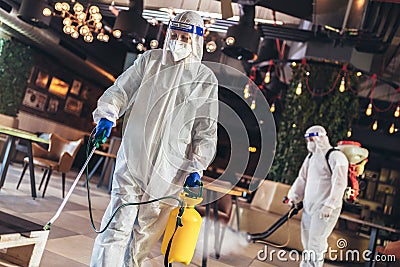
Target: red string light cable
348,80
252,76
326,93
270,64
374,77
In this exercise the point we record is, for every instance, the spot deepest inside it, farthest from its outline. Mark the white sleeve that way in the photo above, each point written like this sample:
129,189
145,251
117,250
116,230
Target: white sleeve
204,132
339,165
296,192
116,99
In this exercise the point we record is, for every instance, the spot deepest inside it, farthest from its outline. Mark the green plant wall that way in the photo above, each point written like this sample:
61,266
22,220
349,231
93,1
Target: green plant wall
334,110
16,61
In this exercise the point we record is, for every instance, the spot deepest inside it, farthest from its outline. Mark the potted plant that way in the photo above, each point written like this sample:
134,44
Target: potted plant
16,61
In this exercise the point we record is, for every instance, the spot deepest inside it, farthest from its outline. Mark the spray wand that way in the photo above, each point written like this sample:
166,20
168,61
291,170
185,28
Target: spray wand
98,141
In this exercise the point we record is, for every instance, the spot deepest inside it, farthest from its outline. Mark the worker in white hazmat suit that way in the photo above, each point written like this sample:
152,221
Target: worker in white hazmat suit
169,99
321,187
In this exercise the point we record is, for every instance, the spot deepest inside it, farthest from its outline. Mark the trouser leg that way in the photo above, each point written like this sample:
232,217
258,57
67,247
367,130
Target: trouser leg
110,246
319,231
305,232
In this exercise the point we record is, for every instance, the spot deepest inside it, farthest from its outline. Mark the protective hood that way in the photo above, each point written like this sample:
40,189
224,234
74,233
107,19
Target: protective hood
319,137
184,39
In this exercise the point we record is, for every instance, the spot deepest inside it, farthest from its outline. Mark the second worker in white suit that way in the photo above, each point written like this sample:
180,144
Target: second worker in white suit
321,185
170,102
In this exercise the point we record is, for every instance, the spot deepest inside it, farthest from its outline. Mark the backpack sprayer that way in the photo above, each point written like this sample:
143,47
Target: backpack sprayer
183,225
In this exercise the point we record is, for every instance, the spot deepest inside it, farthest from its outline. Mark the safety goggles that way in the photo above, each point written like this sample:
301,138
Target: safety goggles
310,137
186,27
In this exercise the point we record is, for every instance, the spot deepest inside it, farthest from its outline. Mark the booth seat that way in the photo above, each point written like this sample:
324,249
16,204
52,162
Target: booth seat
266,208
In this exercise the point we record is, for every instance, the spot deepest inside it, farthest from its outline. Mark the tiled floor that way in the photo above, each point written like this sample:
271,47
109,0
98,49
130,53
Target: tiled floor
71,236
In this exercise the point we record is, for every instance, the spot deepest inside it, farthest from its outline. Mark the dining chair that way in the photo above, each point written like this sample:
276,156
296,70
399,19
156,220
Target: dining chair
58,157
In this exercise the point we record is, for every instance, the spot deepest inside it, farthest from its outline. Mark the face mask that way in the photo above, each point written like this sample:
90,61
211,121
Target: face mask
179,49
311,146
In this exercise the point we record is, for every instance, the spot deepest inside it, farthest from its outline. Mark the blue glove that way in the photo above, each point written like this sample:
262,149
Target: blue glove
104,126
193,180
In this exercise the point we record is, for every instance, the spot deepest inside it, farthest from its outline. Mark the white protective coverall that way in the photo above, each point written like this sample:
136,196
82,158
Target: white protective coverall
171,108
322,193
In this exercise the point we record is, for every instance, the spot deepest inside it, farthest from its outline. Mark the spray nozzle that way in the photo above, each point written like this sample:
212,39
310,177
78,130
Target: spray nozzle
100,139
47,226
193,194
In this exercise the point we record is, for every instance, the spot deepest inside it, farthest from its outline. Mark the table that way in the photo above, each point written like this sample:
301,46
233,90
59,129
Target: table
213,187
22,242
27,137
374,233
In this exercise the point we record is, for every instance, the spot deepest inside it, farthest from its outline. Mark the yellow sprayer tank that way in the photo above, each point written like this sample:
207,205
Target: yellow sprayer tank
185,238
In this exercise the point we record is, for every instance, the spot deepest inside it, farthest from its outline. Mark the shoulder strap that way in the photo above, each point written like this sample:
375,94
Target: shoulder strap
327,157
178,224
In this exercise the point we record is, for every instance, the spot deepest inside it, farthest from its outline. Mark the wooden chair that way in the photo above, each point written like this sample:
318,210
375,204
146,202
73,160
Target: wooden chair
59,157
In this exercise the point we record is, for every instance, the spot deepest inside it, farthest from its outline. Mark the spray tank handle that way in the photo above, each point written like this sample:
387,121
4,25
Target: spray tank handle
191,193
101,139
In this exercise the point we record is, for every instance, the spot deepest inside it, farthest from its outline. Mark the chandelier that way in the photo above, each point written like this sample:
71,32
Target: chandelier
79,21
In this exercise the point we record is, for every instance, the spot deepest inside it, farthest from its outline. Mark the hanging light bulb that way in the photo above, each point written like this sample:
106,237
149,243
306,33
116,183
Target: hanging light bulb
391,129
253,105
47,12
397,112
375,125
246,91
230,40
58,6
299,88
67,21
267,77
65,7
117,33
78,8
100,36
368,112
67,29
153,44
211,46
272,108
342,87
349,133
75,34
88,38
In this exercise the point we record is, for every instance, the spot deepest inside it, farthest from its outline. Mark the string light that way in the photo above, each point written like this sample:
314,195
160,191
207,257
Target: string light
375,125
342,87
80,21
299,88
368,112
397,112
267,77
349,133
252,149
359,73
391,129
246,91
253,105
272,108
